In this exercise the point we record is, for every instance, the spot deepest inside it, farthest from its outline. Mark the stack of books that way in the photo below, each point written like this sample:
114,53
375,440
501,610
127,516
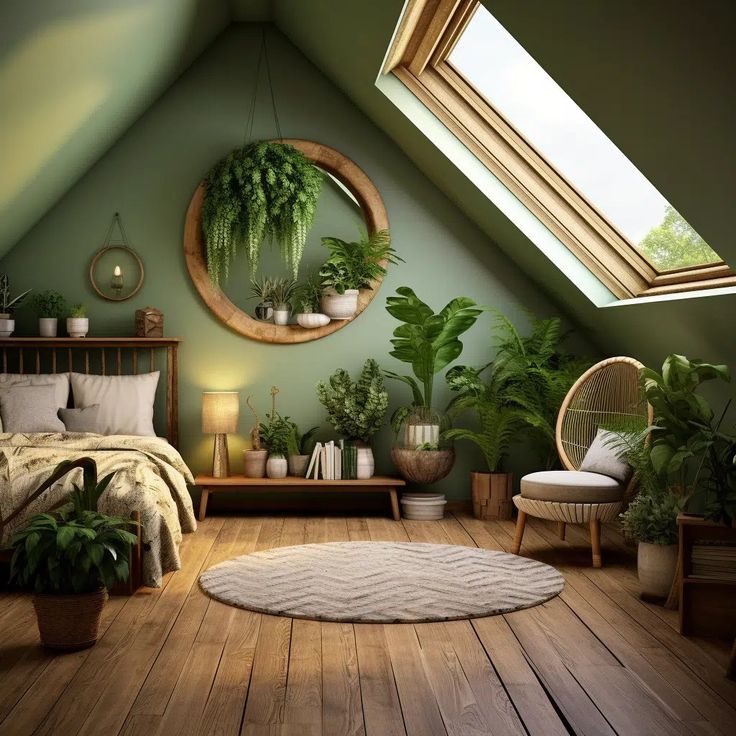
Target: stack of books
333,461
714,559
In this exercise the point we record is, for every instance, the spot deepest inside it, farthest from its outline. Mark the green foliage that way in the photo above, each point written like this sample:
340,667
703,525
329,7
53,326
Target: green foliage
265,190
427,341
674,244
262,288
76,549
275,434
8,304
355,265
652,518
689,449
309,294
78,311
283,292
49,304
517,394
356,410
301,444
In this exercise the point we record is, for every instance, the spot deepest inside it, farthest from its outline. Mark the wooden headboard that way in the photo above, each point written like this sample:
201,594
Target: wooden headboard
113,356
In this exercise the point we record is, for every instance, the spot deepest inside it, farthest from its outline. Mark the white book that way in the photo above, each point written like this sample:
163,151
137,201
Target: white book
313,459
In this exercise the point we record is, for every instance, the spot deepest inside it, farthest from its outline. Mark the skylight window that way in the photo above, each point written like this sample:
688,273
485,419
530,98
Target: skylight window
498,67
494,98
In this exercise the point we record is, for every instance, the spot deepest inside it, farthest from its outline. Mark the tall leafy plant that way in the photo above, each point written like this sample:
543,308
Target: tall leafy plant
7,303
428,342
265,190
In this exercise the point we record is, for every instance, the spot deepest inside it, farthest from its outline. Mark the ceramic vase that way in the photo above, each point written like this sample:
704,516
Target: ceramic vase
281,315
277,467
48,326
7,325
77,326
312,320
298,465
264,311
340,306
366,464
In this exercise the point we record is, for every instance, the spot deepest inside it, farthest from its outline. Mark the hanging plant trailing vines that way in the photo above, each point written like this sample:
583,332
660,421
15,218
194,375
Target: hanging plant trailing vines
266,190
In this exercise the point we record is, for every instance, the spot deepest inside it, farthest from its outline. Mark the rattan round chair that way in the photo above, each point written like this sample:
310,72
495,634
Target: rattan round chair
607,392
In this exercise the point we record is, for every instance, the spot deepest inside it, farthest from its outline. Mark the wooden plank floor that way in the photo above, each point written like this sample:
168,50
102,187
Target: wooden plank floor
595,660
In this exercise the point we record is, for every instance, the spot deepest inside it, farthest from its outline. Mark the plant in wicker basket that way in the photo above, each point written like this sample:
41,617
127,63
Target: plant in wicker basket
70,557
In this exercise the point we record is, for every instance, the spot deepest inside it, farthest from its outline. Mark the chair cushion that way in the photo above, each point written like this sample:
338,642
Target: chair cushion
571,486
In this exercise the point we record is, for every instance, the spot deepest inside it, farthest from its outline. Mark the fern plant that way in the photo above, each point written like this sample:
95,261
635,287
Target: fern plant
265,190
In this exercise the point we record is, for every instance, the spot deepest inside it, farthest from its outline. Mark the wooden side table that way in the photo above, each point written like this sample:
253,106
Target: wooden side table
239,483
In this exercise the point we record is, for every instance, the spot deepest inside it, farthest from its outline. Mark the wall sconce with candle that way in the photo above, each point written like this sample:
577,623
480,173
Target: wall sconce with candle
116,272
220,414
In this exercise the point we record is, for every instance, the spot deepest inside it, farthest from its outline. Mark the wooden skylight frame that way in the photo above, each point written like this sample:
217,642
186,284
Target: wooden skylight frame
418,57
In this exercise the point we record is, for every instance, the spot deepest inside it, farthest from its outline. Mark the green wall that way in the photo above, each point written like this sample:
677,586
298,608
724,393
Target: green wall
149,176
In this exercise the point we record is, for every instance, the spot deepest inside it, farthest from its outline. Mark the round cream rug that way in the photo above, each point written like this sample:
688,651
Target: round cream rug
381,582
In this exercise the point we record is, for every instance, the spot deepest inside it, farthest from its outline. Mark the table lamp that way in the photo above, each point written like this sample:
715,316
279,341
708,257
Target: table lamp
220,411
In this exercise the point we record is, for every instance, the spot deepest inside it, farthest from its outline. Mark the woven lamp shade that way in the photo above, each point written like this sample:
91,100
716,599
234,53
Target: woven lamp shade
220,412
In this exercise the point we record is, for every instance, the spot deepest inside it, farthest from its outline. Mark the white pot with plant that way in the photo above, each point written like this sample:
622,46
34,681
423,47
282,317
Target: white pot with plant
309,301
8,306
300,448
351,267
429,342
77,323
357,410
275,433
50,306
282,293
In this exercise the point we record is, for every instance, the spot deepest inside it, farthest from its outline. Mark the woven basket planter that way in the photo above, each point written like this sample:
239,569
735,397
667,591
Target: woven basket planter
423,466
492,494
69,621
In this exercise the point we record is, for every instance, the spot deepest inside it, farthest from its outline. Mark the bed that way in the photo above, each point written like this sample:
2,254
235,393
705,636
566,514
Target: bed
151,479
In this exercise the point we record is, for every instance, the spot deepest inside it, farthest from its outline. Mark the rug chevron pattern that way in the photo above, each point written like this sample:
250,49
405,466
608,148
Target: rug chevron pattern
381,582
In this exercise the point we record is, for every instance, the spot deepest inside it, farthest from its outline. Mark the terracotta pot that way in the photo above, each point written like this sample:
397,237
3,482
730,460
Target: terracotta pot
277,467
48,326
491,494
69,621
340,306
298,465
423,466
254,463
656,565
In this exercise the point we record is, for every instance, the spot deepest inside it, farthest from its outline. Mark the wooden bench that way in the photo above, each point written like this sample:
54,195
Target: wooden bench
290,484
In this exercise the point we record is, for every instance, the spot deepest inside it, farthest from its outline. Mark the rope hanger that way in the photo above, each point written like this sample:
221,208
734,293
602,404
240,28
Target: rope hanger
262,56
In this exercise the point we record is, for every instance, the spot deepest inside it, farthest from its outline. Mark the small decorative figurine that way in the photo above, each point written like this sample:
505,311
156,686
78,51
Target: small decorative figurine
149,322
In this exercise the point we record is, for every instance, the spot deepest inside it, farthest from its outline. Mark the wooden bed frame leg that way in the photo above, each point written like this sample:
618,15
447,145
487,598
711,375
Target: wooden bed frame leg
561,530
394,504
203,504
595,542
519,532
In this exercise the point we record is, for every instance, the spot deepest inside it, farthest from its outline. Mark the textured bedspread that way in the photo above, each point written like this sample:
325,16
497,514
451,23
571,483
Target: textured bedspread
150,477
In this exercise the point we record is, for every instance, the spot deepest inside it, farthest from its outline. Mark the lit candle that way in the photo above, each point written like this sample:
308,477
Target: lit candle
117,279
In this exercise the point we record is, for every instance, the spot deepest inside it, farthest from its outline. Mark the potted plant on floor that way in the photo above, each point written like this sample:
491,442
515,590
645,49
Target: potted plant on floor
70,558
282,293
517,395
300,449
309,303
351,267
275,433
429,342
77,323
8,305
263,289
357,410
50,306
255,459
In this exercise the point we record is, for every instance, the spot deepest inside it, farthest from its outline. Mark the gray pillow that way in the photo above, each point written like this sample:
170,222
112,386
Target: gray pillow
30,409
81,420
604,456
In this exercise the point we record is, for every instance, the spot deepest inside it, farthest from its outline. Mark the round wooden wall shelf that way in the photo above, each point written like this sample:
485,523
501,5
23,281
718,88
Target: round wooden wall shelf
374,214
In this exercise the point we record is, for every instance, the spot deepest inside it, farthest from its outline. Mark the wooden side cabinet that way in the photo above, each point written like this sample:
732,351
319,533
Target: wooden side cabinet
707,605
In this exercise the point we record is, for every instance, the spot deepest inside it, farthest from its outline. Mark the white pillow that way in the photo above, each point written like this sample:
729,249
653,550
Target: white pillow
30,409
60,382
126,402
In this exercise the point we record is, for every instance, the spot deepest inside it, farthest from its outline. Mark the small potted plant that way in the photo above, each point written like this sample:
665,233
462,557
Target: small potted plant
77,323
356,410
300,447
50,306
254,459
282,293
262,289
308,299
8,306
351,267
275,432
70,558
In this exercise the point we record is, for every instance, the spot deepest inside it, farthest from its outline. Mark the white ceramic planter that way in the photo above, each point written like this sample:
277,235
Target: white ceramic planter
656,565
77,326
7,325
366,464
277,467
340,306
312,321
423,506
281,315
48,326
298,465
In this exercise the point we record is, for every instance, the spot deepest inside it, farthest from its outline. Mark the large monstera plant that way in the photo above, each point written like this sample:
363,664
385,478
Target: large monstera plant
690,448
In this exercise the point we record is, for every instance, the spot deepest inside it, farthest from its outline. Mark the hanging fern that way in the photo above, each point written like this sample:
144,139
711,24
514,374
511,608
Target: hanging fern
263,191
